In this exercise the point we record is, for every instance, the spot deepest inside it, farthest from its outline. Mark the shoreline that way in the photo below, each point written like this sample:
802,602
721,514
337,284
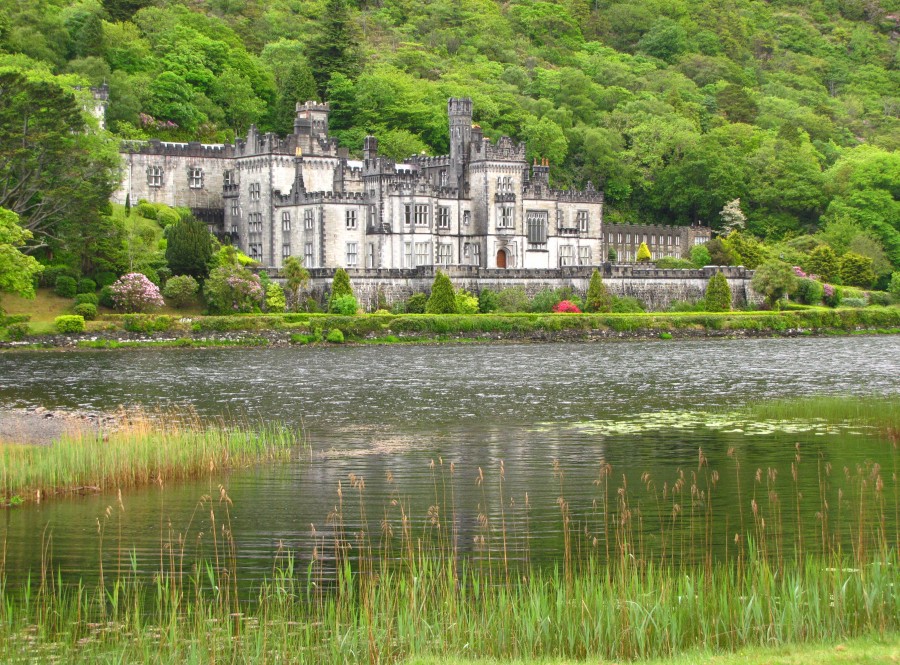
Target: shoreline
39,426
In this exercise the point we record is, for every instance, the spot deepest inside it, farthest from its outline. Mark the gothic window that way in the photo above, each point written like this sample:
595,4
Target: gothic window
228,178
476,255
155,176
423,253
286,221
677,240
351,219
584,256
506,220
442,178
254,222
421,215
308,220
620,238
352,249
408,261
254,191
407,214
195,178
235,209
256,251
583,219
234,229
370,255
504,185
444,254
308,255
537,228
627,238
373,211
467,217
443,217
565,255
285,250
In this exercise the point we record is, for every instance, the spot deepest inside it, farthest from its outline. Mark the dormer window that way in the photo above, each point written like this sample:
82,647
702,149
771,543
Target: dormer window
155,176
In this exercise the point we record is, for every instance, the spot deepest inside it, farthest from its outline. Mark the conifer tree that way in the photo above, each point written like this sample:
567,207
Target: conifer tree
442,299
296,277
334,51
598,298
643,253
824,263
189,248
718,294
340,286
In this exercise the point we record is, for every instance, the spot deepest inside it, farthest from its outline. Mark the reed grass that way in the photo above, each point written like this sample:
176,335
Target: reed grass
399,583
882,413
144,448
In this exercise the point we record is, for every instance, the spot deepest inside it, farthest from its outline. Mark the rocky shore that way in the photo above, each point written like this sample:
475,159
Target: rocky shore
40,426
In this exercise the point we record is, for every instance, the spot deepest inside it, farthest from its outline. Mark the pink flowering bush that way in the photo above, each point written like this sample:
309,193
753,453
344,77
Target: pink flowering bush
134,293
566,307
232,289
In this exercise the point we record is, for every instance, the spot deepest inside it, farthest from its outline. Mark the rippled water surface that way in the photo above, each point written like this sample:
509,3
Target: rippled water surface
400,416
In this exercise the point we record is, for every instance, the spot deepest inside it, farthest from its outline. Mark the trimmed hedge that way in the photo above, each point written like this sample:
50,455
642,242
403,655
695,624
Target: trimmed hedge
87,310
69,323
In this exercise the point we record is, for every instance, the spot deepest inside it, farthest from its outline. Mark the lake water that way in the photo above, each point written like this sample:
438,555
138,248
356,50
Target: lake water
400,416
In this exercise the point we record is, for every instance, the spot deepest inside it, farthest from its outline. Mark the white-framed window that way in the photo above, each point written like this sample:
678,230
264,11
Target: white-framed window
442,178
407,214
408,259
537,227
254,222
583,219
308,254
700,240
254,191
352,254
584,256
476,254
228,177
285,250
195,178
350,217
373,214
155,176
370,255
235,210
286,221
308,219
506,219
423,253
619,238
443,217
565,255
677,241
444,254
627,238
421,214
467,217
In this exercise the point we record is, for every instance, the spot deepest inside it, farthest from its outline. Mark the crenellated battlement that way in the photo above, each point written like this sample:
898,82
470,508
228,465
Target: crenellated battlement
505,150
173,149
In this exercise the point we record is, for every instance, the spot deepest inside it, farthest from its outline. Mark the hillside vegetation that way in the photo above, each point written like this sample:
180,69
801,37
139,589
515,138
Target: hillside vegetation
674,107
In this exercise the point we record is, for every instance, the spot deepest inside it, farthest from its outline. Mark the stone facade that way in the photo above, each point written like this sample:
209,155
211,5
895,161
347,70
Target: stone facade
481,207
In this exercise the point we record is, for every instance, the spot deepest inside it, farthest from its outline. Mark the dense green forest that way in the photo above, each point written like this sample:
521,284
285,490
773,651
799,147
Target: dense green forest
674,107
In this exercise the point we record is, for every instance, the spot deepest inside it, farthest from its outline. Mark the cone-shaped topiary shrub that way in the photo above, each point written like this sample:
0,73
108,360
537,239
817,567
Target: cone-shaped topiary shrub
442,299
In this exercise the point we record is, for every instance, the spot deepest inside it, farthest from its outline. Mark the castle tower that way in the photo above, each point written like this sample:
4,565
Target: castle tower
459,110
311,126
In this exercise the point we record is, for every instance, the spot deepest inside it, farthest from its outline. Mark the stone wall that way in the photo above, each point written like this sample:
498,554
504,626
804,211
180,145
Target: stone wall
656,288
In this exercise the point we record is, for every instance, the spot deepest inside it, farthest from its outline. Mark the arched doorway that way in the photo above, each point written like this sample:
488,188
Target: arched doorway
501,258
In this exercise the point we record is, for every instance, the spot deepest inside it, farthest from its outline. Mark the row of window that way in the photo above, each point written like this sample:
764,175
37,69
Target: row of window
156,177
567,256
616,238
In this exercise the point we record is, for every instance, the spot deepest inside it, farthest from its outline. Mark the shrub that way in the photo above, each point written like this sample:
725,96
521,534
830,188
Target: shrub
87,310
65,286
880,298
545,300
146,210
718,294
643,253
275,300
336,336
513,299
106,297
894,286
381,312
700,256
466,303
612,255
671,262
105,278
165,216
189,248
627,305
340,286
809,291
416,303
233,289
90,298
856,270
133,292
566,307
69,323
17,331
488,301
181,290
774,280
822,261
345,305
86,285
687,306
598,298
50,274
832,295
142,323
853,302
442,299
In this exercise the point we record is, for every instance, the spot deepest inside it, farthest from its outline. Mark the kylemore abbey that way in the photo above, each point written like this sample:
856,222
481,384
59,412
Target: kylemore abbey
481,206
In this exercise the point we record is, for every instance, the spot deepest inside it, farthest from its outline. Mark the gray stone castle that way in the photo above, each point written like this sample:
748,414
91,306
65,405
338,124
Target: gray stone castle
482,207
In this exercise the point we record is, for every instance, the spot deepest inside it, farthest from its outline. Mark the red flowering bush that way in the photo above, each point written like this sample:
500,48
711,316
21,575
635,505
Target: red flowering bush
566,307
134,293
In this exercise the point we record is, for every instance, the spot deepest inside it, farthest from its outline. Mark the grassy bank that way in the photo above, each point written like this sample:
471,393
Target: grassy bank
880,413
141,451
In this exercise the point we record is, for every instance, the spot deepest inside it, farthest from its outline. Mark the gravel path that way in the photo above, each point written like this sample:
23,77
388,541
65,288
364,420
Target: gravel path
39,426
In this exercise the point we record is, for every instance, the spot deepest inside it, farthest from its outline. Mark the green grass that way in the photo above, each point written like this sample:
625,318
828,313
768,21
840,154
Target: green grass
181,343
141,451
